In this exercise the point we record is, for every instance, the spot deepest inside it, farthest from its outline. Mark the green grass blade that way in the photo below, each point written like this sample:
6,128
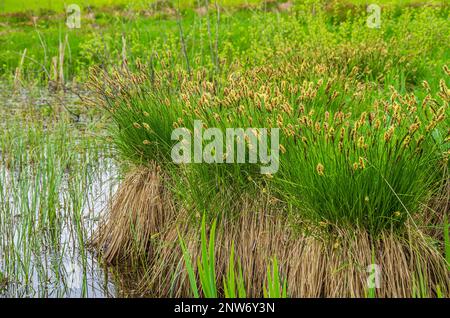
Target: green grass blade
447,240
189,267
212,261
242,293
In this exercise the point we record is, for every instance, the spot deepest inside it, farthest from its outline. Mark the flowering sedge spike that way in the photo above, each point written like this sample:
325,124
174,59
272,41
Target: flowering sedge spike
361,163
413,128
361,142
406,141
426,86
320,169
446,70
377,124
388,134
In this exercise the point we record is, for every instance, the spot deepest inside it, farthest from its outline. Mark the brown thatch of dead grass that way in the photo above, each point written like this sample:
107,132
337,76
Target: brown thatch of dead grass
139,211
331,265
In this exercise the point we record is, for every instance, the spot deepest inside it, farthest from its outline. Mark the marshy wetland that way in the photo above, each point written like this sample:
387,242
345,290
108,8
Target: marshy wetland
93,204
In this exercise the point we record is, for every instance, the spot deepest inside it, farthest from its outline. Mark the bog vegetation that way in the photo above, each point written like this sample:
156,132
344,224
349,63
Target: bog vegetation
364,149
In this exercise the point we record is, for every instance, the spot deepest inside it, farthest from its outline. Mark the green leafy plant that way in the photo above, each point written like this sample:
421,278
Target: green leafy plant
274,287
233,283
447,240
205,264
233,280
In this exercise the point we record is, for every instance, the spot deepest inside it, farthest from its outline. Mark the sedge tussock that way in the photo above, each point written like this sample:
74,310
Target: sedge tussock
332,264
139,210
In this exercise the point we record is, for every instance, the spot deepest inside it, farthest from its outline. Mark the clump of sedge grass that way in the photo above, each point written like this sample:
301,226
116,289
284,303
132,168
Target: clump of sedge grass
373,172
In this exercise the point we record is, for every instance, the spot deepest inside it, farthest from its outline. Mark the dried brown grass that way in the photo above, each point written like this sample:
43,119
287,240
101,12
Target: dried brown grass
433,220
138,211
334,266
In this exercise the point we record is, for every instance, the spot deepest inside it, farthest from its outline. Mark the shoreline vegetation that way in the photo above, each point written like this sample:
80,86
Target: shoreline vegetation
362,187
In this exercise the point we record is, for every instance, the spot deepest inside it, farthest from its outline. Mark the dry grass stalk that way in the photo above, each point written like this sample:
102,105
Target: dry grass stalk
139,210
18,72
437,209
62,49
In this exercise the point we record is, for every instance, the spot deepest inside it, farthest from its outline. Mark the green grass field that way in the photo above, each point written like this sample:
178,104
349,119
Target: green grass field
11,6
